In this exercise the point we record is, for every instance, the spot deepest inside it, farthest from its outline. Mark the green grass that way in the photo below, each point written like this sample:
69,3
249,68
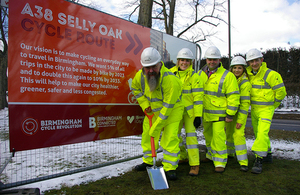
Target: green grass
280,177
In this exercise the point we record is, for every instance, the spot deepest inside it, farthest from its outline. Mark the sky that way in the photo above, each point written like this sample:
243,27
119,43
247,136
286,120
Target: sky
261,24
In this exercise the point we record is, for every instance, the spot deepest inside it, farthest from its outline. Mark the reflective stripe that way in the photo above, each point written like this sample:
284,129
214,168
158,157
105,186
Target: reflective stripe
219,152
215,111
219,94
163,117
265,119
147,156
261,87
171,162
277,100
166,105
212,93
229,143
138,95
189,107
234,92
245,98
222,160
242,157
157,109
241,147
186,91
278,86
194,146
197,90
261,154
171,154
191,134
262,103
155,100
232,108
198,102
243,81
266,85
243,111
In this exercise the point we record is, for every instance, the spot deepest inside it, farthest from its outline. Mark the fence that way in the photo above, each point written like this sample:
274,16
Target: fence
30,166
40,164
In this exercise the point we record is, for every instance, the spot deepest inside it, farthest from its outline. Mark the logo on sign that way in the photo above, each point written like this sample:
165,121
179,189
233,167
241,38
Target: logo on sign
132,43
130,118
30,126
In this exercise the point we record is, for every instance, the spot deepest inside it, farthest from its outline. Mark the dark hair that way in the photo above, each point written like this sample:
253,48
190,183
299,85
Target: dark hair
244,69
169,64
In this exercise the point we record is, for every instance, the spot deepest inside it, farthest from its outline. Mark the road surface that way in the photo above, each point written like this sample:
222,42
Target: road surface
281,124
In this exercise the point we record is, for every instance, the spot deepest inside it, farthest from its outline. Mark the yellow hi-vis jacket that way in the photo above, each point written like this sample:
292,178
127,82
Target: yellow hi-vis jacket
221,94
245,89
164,100
267,87
192,90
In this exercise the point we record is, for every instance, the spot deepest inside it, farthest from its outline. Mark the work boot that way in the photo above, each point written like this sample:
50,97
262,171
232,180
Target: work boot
219,169
194,170
257,167
205,160
244,168
142,167
268,158
171,175
183,161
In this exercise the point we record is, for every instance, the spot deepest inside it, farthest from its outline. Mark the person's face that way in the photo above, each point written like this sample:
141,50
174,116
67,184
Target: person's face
255,64
184,63
152,70
212,63
238,70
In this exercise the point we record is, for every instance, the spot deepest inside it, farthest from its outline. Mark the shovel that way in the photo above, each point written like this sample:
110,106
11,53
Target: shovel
156,174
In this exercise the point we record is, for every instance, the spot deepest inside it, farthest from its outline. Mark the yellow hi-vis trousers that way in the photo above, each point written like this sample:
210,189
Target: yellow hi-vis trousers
261,121
169,142
191,150
236,141
215,138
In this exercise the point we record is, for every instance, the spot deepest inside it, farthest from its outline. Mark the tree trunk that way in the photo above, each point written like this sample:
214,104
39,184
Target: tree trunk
3,80
145,13
171,17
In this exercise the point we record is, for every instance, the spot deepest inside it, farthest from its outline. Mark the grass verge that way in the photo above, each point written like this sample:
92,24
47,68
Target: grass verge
280,177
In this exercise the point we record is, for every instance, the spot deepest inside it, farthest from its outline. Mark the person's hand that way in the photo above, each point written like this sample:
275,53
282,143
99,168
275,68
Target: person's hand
228,120
197,122
148,110
238,125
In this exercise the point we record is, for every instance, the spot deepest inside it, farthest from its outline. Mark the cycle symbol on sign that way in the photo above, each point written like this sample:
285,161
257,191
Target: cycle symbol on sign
131,97
30,126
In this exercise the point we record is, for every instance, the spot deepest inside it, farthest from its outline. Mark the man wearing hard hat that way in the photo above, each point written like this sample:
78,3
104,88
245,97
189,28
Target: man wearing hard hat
158,91
192,98
220,103
267,92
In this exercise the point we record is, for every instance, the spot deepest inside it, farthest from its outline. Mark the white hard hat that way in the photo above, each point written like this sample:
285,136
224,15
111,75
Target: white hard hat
150,56
238,60
213,53
185,53
253,54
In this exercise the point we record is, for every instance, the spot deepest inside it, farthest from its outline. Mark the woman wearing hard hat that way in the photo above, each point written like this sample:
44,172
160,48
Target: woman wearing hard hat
235,130
192,98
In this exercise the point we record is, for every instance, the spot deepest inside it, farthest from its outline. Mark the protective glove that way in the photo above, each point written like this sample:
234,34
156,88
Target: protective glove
197,122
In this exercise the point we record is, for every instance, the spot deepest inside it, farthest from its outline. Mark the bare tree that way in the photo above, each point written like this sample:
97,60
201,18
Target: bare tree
197,15
3,57
145,13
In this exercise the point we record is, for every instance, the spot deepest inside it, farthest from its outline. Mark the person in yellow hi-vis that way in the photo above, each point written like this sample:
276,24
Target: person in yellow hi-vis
220,103
158,91
235,130
192,98
267,92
